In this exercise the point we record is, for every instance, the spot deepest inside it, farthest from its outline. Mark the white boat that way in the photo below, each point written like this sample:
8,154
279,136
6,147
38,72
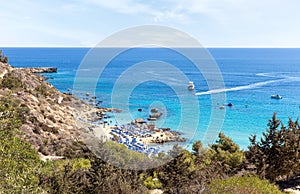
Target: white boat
276,96
191,86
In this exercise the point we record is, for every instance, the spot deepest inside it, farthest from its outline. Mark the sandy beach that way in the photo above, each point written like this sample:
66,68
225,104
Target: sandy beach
137,135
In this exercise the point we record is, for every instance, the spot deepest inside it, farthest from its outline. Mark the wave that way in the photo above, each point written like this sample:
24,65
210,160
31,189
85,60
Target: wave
281,77
287,75
247,87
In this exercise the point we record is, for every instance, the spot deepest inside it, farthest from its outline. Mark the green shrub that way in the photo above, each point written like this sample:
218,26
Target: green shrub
67,176
81,163
12,114
246,184
12,82
152,182
19,165
42,89
19,162
119,155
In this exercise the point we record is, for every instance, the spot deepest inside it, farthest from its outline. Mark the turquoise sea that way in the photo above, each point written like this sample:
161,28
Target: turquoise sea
250,76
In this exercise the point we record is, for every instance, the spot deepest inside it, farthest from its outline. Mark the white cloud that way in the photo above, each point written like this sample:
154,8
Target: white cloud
158,11
171,15
217,22
177,11
71,7
123,6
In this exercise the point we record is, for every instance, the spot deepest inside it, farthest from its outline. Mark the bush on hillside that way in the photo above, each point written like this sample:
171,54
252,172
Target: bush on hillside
238,185
43,90
11,82
19,162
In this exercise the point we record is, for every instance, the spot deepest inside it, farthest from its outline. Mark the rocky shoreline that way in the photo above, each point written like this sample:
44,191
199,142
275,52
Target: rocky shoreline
40,69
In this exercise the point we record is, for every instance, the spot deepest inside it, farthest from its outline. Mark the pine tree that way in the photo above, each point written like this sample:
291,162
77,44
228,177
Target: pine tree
277,154
227,153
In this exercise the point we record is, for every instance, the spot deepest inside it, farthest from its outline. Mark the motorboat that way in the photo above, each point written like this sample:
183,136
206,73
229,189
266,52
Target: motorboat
276,96
191,86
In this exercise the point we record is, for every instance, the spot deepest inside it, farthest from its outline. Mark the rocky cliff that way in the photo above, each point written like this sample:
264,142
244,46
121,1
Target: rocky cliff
50,122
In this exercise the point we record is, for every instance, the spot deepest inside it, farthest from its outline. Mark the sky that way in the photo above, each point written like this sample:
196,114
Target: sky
214,23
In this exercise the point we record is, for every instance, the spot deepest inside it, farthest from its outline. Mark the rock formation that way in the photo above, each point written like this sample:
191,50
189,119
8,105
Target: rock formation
41,69
50,124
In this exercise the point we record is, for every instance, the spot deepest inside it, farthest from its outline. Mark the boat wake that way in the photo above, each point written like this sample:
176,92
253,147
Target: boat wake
250,86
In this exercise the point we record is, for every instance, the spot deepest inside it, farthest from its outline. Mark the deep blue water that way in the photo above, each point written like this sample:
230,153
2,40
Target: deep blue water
251,75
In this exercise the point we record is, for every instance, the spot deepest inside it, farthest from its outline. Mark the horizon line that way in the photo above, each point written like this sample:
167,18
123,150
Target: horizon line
52,46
